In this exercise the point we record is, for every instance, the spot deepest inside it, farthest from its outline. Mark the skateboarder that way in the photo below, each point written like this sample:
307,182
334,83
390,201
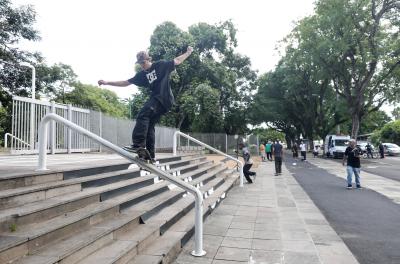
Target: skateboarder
156,77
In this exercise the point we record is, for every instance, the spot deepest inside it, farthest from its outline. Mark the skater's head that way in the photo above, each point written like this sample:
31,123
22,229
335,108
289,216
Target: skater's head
143,59
352,143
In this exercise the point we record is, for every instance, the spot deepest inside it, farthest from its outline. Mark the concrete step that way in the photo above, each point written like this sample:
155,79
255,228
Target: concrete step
55,228
16,180
15,197
126,250
118,252
52,207
172,241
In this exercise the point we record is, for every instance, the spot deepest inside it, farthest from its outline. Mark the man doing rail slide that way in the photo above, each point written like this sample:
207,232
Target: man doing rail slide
156,77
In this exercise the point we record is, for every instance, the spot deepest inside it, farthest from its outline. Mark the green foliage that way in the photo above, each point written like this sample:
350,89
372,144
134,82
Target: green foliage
95,98
207,116
268,134
13,227
213,73
391,132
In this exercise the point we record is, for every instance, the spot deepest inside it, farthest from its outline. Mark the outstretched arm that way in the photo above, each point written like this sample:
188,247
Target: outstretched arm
116,83
178,60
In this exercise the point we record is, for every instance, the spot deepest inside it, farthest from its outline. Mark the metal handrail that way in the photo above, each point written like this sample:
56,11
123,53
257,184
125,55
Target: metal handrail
43,133
210,148
12,136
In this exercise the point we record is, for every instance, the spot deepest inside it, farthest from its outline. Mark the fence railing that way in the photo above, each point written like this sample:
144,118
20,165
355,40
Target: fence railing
175,145
43,135
27,114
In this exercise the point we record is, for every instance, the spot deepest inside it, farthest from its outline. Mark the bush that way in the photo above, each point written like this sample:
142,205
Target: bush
3,120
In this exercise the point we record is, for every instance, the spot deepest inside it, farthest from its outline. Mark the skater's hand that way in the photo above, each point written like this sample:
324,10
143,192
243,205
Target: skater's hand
101,82
189,50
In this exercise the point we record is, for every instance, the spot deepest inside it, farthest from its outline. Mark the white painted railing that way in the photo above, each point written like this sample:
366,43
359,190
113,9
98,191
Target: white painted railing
6,135
174,144
43,134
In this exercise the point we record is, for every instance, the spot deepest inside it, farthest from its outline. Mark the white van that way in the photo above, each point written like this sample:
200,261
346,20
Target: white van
335,146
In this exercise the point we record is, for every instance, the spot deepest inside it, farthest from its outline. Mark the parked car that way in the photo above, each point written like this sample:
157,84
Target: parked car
391,149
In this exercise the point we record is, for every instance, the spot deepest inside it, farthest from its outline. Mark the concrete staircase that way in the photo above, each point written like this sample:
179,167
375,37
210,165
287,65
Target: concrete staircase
106,214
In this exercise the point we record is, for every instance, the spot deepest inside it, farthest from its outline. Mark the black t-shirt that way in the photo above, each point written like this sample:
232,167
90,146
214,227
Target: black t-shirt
353,157
156,78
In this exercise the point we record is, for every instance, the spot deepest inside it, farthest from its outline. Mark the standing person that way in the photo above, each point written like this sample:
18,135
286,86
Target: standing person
247,163
381,150
262,151
268,150
277,151
156,77
352,154
368,147
295,150
303,151
315,151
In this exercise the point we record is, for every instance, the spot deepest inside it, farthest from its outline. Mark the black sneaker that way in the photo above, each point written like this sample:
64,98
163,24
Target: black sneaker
132,148
349,186
359,187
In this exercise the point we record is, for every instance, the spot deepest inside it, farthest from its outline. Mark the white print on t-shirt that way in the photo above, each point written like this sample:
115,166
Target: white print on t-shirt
152,76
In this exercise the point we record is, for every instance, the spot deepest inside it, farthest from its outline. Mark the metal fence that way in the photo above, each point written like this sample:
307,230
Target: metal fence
27,114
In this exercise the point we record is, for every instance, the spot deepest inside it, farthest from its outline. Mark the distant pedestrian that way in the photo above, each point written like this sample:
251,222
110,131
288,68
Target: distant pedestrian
295,150
268,150
381,150
352,154
303,151
262,151
315,151
277,151
247,163
368,147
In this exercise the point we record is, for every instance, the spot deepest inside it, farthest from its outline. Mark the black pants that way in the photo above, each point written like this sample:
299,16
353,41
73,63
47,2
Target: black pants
247,173
304,153
143,134
269,155
278,164
382,154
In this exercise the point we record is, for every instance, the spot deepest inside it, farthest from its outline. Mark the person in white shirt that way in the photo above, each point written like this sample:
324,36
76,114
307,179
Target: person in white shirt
303,151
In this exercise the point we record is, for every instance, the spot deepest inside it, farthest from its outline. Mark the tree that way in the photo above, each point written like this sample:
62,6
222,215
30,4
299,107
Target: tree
391,132
357,43
95,98
213,64
268,134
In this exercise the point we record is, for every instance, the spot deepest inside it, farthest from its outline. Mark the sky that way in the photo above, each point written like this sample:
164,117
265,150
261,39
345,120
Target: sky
100,39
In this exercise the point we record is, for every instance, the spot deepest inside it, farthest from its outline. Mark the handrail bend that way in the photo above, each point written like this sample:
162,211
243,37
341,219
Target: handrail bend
43,133
210,148
12,136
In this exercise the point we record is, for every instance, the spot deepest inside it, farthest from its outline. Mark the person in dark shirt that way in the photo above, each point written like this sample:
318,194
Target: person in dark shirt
277,152
352,154
381,150
156,77
247,163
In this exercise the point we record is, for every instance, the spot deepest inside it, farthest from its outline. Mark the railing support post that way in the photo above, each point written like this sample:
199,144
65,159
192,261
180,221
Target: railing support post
178,133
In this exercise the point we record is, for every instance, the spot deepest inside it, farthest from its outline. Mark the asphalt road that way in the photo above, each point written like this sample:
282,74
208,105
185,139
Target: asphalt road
368,222
389,167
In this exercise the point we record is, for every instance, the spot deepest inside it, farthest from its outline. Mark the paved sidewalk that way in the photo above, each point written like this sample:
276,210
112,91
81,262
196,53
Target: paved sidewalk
271,221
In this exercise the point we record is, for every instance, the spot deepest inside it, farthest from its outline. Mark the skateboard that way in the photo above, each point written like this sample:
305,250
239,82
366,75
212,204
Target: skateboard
142,153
